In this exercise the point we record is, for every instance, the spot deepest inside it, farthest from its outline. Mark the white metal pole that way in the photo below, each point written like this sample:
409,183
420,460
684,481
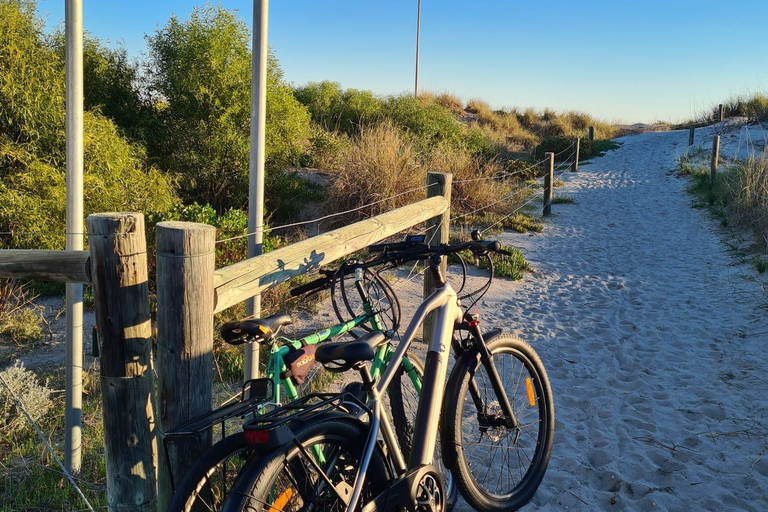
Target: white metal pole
73,21
256,172
418,26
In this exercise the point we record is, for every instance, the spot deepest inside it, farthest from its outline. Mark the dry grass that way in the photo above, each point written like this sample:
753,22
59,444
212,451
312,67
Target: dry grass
380,165
749,197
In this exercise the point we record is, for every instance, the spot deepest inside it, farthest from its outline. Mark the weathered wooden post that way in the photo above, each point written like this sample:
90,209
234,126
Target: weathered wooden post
575,164
591,133
720,112
690,135
549,175
185,266
715,159
118,252
438,230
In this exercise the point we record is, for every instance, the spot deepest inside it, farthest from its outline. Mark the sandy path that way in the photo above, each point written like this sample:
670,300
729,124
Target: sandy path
654,342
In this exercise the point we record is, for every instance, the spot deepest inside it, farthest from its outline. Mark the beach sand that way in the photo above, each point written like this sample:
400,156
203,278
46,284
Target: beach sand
654,336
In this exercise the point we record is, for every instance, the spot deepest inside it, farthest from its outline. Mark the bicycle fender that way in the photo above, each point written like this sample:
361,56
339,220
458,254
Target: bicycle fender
469,360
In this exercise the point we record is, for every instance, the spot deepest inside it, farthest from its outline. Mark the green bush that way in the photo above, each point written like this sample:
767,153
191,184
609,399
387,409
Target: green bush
201,68
430,123
33,146
338,110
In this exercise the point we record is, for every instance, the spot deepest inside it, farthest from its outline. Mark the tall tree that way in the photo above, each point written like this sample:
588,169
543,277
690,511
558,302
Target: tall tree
200,74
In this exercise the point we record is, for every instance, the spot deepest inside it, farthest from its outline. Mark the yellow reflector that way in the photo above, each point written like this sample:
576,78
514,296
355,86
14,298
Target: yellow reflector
279,503
529,389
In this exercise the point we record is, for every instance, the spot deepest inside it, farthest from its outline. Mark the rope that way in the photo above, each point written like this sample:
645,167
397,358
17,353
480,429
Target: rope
534,198
284,226
516,192
45,442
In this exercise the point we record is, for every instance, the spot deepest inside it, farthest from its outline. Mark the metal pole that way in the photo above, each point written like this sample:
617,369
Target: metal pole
418,25
73,27
256,173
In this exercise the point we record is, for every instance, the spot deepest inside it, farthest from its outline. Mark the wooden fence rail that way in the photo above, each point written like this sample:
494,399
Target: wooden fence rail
59,266
245,279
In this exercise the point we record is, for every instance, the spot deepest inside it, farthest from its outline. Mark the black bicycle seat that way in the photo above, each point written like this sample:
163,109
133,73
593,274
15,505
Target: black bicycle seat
260,330
341,356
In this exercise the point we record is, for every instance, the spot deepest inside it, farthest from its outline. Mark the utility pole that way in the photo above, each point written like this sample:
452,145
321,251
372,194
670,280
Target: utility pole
418,25
256,173
73,358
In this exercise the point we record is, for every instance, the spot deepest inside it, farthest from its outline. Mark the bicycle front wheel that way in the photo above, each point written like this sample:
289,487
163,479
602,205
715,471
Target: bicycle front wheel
498,468
315,474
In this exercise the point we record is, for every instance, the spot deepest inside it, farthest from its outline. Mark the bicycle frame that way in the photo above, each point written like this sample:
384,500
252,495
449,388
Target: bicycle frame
447,314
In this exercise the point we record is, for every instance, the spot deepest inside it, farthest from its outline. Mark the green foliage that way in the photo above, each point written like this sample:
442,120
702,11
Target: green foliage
33,146
201,68
561,146
111,85
563,200
288,193
327,150
338,110
428,122
512,267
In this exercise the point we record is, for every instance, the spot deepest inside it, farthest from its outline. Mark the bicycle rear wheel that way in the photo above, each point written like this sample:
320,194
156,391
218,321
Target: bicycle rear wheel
206,484
290,479
348,303
497,468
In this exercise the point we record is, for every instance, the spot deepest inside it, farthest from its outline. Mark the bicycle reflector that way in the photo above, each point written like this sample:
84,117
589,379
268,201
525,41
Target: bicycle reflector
529,389
257,436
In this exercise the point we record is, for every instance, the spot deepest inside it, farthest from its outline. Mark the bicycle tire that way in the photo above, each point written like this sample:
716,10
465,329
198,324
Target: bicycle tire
404,403
207,482
348,304
284,481
463,426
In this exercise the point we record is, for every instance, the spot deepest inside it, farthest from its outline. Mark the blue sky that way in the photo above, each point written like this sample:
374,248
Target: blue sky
620,60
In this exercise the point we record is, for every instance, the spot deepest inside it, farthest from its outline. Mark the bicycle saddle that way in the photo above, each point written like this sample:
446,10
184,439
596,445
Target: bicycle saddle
260,330
341,356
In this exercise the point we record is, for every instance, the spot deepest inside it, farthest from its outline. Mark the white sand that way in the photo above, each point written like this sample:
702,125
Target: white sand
654,340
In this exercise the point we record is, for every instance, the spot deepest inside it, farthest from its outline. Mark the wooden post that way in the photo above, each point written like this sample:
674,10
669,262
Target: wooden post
715,159
185,265
690,136
121,296
549,170
575,165
591,133
720,112
438,231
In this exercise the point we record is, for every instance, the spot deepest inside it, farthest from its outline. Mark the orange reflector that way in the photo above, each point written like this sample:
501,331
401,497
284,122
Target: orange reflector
282,501
529,389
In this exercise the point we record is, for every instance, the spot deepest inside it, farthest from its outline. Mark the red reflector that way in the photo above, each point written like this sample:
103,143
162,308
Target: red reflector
256,436
474,323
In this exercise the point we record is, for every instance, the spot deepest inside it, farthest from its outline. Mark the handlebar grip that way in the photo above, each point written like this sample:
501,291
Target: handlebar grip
312,286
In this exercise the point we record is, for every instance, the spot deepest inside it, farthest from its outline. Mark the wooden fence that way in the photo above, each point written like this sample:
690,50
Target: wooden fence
189,292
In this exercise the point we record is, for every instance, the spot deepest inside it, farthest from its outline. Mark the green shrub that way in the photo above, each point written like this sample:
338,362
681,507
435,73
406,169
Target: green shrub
428,122
33,146
337,110
327,150
201,68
